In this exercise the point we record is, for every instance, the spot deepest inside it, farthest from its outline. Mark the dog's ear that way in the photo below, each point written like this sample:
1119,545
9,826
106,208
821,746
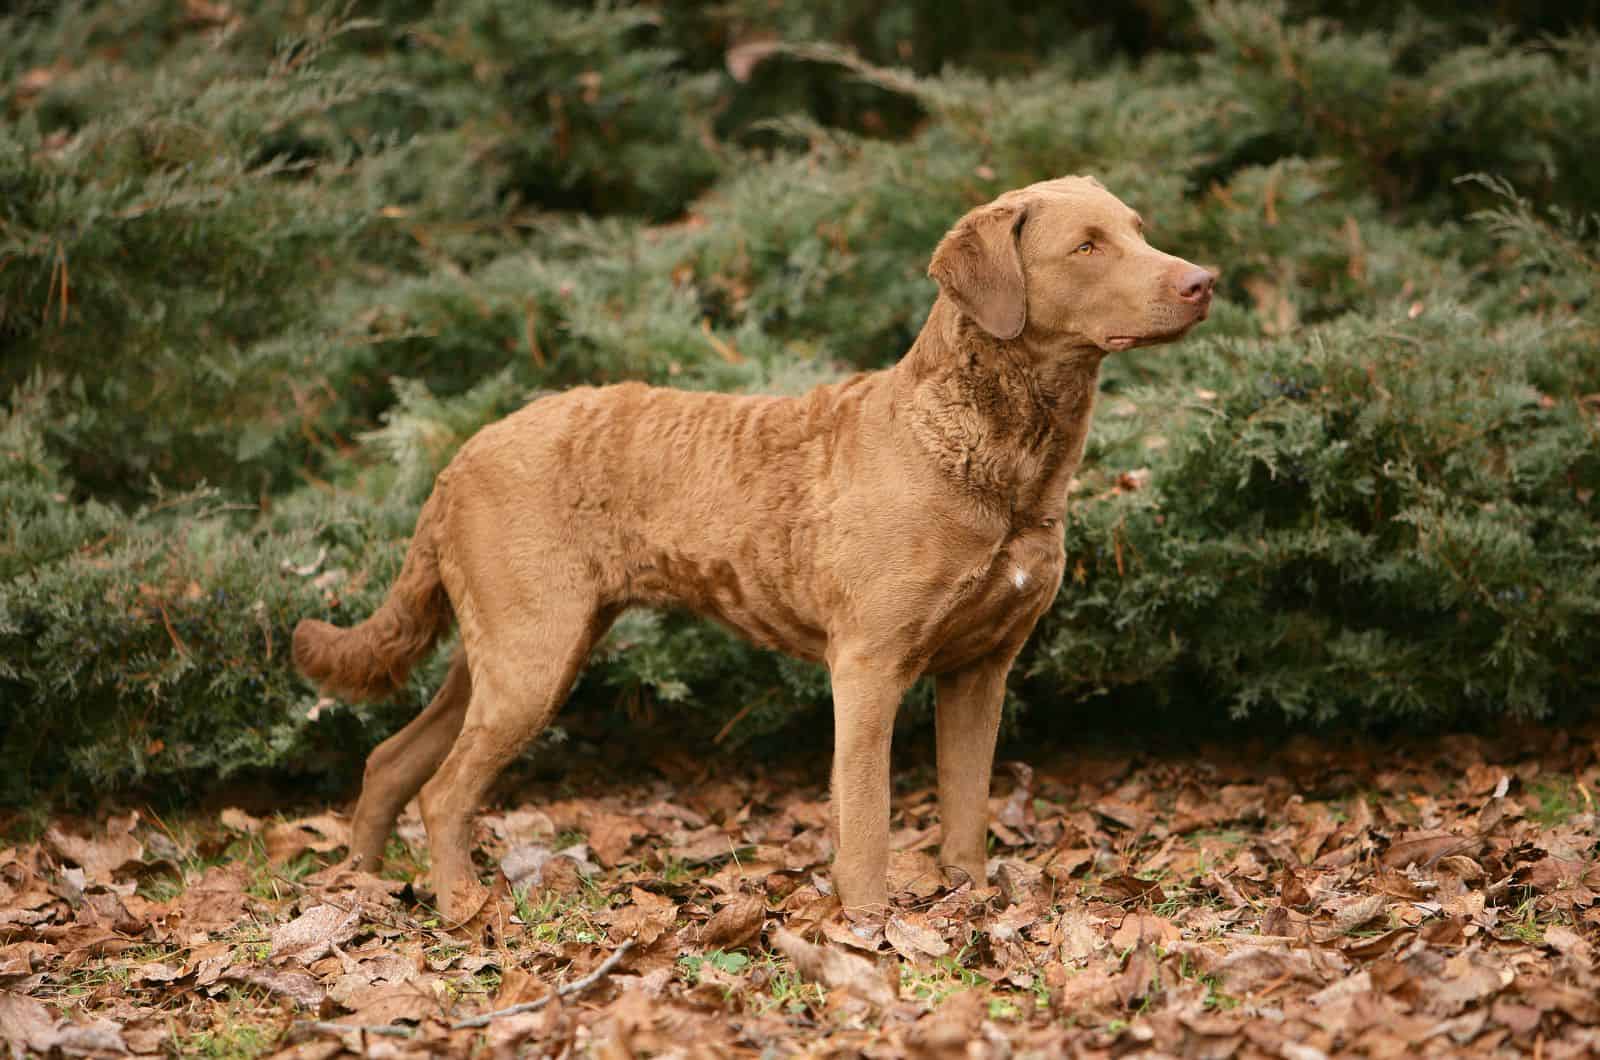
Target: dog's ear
979,265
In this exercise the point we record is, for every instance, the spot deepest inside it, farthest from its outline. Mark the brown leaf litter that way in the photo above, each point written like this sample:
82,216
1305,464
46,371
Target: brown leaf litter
1326,898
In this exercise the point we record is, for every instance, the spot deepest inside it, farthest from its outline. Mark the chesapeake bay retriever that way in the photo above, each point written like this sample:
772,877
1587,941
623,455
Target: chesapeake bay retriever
898,523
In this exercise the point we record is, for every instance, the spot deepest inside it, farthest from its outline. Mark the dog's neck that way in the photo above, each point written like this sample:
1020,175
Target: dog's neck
1005,420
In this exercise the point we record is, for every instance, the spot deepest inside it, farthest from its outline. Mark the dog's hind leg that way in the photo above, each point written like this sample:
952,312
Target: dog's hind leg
400,765
520,678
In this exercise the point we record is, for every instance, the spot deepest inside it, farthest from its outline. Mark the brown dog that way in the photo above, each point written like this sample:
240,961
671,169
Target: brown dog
897,523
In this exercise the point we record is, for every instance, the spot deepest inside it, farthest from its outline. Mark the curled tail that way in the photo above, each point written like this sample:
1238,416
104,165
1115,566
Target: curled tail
371,660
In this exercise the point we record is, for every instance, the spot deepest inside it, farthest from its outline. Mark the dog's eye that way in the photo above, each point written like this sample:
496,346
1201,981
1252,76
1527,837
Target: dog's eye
1084,248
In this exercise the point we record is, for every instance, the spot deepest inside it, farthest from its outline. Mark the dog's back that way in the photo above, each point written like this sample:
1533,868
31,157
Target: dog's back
715,502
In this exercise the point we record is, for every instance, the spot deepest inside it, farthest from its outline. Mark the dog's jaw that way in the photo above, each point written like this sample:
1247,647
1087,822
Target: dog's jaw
1120,343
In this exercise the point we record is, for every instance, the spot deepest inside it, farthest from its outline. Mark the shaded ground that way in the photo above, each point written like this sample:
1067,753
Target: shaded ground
1318,900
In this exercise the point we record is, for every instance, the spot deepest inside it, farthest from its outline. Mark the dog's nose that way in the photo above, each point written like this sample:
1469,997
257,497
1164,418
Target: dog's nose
1194,285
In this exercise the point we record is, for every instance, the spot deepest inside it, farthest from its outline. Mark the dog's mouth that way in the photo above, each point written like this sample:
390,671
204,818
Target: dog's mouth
1118,343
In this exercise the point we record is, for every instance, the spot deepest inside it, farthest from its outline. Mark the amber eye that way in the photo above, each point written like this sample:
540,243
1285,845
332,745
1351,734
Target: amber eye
1084,248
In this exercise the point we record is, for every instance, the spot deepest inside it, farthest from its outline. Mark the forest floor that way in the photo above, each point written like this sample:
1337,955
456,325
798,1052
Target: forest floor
1314,899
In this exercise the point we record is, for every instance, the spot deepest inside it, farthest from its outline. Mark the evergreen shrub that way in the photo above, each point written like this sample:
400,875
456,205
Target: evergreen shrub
263,269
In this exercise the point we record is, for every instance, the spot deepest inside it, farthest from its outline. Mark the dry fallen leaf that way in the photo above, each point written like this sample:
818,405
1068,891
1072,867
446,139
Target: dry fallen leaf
1138,978
1359,912
736,924
25,1024
1251,968
314,933
836,969
949,1031
321,833
1569,943
1425,850
610,835
216,901
101,856
239,821
913,938
299,987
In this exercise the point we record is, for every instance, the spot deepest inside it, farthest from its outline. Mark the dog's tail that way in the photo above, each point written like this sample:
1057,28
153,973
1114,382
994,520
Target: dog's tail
372,660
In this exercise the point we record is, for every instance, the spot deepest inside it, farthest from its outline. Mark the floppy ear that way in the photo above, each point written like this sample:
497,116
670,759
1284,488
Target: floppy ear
979,265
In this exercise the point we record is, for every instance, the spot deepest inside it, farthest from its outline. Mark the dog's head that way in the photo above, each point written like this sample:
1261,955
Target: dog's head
1066,262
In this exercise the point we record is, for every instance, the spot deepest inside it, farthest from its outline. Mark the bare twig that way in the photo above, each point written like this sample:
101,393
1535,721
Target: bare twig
571,988
166,620
722,734
386,1031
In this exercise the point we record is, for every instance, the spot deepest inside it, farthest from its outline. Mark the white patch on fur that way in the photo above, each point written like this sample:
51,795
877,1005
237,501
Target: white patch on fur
1019,577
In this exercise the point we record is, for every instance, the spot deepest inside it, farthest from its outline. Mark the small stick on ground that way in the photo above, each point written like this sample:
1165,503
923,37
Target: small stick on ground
571,988
387,1030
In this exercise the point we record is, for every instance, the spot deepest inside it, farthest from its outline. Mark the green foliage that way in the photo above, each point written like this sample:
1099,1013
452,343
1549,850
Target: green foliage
261,273
573,107
1412,115
155,253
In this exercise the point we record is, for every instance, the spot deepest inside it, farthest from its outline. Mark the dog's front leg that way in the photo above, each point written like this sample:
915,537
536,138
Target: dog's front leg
865,699
968,718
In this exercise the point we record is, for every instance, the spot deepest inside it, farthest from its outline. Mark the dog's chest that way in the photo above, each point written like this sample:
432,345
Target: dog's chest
999,601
